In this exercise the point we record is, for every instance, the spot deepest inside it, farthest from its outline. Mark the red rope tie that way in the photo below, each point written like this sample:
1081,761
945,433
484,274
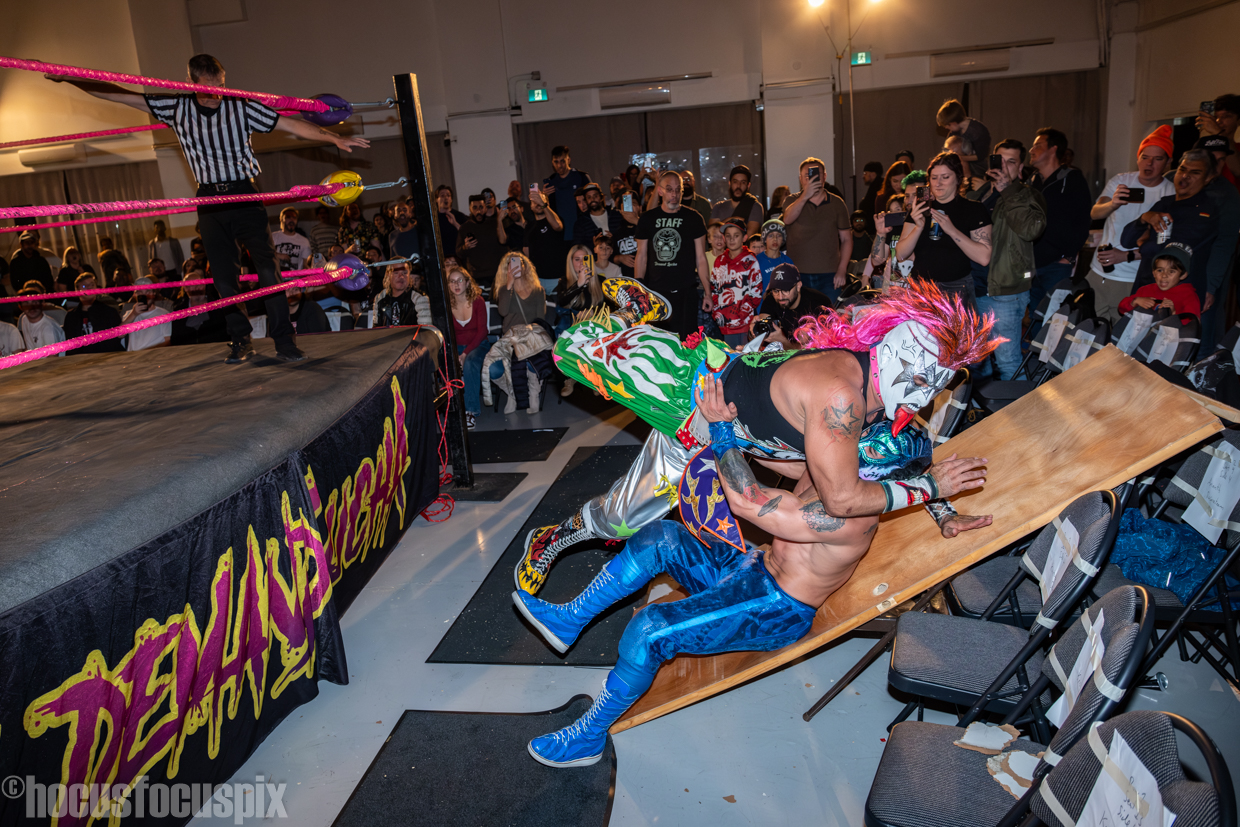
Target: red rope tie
440,510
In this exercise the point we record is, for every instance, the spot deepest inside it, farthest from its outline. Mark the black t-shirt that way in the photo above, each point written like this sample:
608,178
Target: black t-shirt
97,317
547,251
671,257
812,303
942,260
309,318
626,245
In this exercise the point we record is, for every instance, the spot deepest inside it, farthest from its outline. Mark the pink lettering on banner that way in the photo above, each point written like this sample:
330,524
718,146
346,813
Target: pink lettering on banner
177,679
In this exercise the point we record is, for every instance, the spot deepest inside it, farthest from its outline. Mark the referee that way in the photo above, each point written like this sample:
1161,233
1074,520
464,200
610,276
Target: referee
214,132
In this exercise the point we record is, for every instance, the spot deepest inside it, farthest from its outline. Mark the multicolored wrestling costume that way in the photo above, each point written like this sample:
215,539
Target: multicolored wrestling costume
734,604
651,372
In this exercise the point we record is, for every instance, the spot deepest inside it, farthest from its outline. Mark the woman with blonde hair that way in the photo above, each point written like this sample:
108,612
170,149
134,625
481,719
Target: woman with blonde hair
469,312
578,291
522,304
71,267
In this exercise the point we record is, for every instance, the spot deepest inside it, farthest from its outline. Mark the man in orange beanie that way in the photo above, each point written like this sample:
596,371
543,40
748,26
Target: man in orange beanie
1125,197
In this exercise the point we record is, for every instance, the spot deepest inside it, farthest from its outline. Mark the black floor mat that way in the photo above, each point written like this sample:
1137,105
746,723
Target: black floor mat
487,488
490,630
524,445
440,768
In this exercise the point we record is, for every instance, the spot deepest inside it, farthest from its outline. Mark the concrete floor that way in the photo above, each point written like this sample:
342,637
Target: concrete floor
748,744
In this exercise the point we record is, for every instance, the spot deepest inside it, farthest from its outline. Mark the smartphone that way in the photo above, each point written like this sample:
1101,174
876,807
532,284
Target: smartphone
627,204
920,193
502,205
895,220
813,173
546,182
533,191
1136,195
996,162
1208,108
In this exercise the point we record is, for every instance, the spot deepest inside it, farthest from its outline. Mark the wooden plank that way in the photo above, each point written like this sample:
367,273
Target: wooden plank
1215,407
1093,427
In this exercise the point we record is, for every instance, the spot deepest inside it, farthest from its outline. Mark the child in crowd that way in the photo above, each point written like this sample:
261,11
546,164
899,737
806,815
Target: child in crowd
1168,290
772,255
754,243
735,285
604,249
714,241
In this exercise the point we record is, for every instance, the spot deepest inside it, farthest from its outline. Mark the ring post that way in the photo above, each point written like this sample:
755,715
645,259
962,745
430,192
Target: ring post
424,212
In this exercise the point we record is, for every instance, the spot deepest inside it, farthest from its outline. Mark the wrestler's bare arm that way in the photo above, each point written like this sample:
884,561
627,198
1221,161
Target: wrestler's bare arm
785,468
781,513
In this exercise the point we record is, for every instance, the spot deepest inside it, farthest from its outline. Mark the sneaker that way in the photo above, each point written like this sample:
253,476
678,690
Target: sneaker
240,351
542,546
471,420
556,625
290,354
535,394
569,384
636,303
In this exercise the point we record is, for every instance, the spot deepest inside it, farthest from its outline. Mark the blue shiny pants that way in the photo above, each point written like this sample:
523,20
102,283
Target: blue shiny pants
733,603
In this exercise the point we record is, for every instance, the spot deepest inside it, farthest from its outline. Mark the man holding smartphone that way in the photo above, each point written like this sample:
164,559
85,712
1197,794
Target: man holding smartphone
819,231
1124,198
1221,116
1018,217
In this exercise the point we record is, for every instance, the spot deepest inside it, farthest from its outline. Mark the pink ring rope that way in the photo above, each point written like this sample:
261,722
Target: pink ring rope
301,192
97,219
309,278
99,291
274,101
82,136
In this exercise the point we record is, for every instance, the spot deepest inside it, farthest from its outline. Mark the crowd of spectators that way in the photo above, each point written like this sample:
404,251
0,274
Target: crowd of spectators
998,224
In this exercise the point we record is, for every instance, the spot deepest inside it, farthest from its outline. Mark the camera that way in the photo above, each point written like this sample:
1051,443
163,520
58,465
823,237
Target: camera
765,326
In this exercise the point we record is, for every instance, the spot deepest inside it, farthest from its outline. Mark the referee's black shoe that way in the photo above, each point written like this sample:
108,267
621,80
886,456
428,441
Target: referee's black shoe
291,353
239,351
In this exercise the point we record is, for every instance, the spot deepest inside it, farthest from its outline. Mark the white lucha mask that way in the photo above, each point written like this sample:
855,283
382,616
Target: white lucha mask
909,375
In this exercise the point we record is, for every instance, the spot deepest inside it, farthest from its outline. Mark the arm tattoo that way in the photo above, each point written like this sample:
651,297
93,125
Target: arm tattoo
770,506
841,419
981,235
739,477
817,518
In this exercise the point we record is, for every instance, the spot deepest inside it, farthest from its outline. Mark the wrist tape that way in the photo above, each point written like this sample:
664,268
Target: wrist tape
722,438
914,491
941,511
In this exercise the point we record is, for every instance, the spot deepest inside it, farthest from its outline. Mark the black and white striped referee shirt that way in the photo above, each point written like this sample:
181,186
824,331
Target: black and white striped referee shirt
216,141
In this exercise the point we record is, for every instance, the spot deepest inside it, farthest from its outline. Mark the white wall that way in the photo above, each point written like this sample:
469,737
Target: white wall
93,33
482,155
1186,61
798,125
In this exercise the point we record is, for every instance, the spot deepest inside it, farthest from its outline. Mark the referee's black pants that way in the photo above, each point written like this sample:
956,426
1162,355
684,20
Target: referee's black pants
222,227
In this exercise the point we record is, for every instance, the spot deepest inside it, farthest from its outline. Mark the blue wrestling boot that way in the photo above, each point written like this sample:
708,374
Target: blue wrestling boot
560,624
582,742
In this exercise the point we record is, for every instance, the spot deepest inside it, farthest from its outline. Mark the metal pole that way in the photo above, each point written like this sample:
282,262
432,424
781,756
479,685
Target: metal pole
852,118
413,131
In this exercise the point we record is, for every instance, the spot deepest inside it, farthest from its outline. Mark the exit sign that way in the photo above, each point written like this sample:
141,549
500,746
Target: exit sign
537,95
861,58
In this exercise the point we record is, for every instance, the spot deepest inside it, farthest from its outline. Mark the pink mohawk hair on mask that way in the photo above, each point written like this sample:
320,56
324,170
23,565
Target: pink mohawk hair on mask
963,336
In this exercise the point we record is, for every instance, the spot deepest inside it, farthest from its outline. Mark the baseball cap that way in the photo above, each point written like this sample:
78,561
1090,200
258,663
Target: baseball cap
741,168
1214,143
141,281
739,223
590,186
27,235
1178,250
873,166
785,276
